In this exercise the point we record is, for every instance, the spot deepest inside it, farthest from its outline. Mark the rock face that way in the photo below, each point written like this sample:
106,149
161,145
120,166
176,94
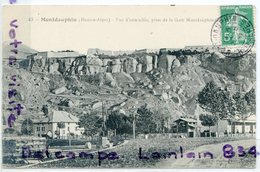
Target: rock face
144,62
109,80
130,65
176,63
147,62
99,62
175,98
139,68
94,66
244,66
54,68
172,80
97,105
155,61
165,62
59,90
116,66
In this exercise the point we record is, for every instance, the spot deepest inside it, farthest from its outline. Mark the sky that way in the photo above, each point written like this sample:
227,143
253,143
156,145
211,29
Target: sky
129,27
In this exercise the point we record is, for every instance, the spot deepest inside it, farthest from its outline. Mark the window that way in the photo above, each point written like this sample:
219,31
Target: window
63,132
38,128
68,128
43,128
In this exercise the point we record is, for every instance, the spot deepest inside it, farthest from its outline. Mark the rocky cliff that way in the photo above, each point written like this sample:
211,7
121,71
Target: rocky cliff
169,80
94,64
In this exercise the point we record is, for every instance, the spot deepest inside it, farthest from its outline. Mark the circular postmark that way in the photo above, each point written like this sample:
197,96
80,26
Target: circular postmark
233,35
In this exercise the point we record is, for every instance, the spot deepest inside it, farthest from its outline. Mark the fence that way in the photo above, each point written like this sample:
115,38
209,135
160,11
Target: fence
13,145
162,135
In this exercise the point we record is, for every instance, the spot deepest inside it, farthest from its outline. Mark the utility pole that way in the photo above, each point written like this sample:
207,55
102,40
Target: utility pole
27,125
41,126
134,127
104,119
102,113
134,123
69,139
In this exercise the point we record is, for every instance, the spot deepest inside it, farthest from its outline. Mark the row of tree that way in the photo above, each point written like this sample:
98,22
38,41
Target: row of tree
222,104
143,119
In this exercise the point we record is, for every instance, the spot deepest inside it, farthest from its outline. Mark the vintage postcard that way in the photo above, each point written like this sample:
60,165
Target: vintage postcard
137,86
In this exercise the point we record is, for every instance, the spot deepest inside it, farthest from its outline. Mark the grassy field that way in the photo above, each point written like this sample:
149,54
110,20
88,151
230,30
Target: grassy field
218,160
129,153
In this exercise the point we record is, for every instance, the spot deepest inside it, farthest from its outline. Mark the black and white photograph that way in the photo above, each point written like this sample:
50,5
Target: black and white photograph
133,87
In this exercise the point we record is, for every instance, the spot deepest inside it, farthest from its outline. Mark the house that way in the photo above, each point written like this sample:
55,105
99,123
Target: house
222,129
186,127
49,125
247,126
235,126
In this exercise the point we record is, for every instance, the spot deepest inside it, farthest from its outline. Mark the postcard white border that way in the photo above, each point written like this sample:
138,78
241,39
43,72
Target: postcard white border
148,2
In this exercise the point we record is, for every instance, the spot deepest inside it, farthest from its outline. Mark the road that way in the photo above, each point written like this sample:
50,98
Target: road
218,161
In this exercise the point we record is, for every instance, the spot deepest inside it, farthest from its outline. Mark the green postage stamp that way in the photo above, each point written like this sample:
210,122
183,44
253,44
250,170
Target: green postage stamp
233,31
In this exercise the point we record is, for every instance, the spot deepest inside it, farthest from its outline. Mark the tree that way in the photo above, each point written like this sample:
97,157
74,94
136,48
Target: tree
45,109
119,122
240,102
241,107
244,105
92,123
251,101
162,117
227,108
208,120
216,101
145,120
27,127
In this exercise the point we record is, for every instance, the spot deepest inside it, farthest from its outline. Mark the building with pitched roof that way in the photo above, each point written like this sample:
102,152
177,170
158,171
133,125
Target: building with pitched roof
186,127
58,124
234,126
